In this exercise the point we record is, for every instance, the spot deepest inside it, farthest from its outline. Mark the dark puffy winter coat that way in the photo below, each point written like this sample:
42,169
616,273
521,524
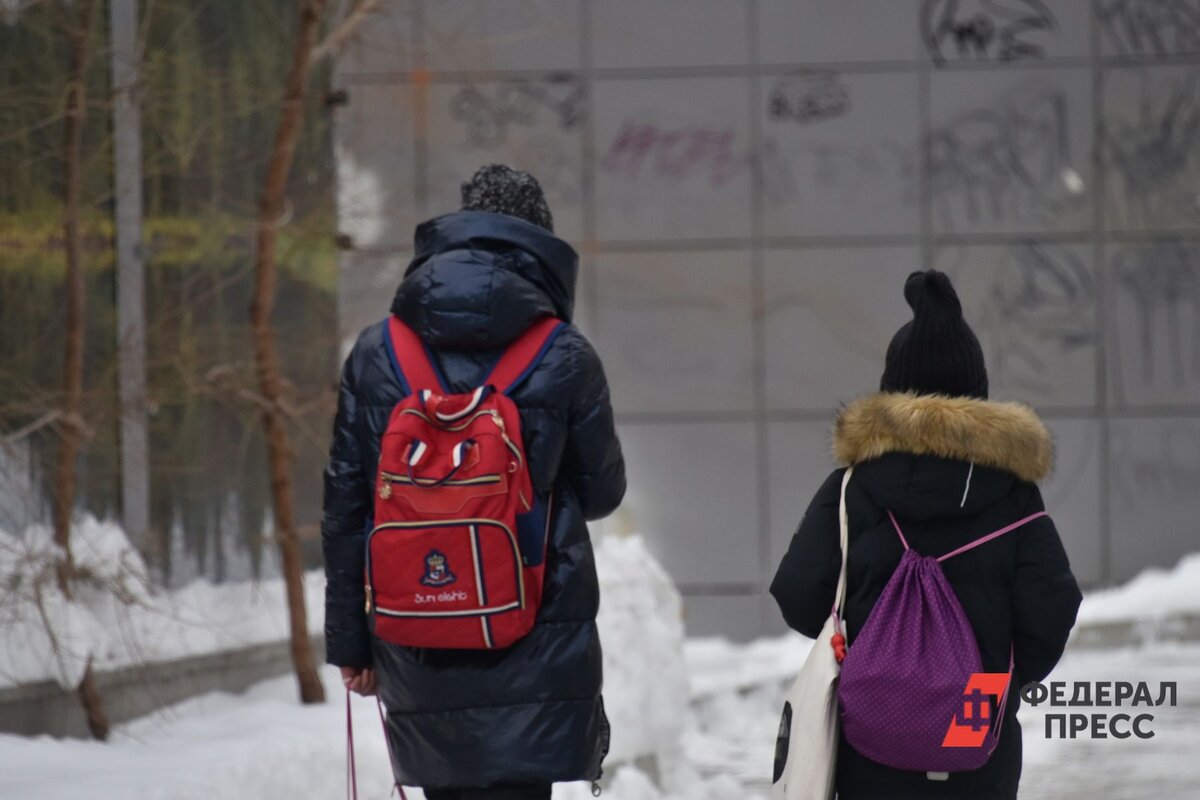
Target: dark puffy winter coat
531,713
951,470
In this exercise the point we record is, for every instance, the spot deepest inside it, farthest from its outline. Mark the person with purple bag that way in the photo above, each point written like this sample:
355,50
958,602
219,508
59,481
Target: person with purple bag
953,568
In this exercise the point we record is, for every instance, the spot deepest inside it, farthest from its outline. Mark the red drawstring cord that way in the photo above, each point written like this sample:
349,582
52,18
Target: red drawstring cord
388,742
351,767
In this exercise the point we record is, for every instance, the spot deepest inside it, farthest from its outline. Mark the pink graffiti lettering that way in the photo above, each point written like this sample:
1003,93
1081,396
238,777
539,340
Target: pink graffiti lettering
643,149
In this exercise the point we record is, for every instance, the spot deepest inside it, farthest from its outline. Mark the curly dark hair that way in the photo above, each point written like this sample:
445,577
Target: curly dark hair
503,190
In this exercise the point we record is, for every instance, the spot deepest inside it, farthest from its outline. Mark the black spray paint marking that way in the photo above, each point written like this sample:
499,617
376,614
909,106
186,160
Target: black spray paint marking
1156,28
996,31
1154,158
1004,162
1163,467
808,96
1042,303
1162,281
839,172
489,117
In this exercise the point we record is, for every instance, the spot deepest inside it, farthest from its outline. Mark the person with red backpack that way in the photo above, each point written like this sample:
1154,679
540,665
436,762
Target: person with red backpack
952,568
474,438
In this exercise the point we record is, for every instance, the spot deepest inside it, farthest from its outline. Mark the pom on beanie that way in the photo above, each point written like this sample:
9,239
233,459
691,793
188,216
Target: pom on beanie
937,352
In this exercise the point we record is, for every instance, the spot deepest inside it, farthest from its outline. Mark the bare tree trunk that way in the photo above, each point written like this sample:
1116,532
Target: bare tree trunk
78,33
266,356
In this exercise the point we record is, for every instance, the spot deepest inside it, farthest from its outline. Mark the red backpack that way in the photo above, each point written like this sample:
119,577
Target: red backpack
456,556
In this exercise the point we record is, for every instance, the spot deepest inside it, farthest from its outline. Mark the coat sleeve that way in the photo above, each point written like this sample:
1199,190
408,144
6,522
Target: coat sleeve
347,506
593,464
807,577
1045,597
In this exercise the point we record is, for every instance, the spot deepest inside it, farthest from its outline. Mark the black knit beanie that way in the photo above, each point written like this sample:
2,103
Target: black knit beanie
936,353
504,190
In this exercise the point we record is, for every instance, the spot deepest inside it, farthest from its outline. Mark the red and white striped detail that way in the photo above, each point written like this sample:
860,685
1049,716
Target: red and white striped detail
476,398
460,451
416,451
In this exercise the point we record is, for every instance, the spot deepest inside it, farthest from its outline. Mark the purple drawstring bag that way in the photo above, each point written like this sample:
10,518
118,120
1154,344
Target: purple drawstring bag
903,680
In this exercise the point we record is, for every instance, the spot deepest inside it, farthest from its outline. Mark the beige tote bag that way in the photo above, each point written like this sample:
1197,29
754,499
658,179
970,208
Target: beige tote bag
806,751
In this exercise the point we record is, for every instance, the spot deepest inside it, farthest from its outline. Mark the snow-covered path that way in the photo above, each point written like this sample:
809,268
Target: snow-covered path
261,744
732,734
1167,766
719,701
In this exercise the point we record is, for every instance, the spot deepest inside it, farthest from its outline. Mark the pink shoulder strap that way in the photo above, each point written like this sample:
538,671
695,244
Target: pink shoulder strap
977,542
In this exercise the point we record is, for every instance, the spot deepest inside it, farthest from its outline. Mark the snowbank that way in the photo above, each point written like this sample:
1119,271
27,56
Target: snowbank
262,744
1153,594
117,619
641,630
717,665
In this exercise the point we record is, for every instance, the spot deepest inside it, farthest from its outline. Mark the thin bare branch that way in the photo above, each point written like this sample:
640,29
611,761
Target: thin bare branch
49,418
336,39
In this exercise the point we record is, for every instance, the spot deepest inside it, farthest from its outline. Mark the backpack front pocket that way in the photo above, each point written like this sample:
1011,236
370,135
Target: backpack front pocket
441,584
430,497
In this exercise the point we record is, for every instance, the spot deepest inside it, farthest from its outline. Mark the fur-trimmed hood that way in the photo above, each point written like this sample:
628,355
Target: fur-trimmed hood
1005,436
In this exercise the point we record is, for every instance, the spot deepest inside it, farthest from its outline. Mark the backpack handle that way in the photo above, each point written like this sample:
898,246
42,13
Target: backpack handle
460,458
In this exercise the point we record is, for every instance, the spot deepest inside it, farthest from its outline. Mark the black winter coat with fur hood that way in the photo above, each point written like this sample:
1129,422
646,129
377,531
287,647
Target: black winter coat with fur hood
951,470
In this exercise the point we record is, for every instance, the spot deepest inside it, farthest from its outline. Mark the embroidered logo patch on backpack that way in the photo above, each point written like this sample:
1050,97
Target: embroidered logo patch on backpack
437,572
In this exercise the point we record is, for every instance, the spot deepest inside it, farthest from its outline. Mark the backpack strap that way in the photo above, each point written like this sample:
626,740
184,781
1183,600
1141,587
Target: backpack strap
411,359
899,532
977,542
999,727
994,535
523,355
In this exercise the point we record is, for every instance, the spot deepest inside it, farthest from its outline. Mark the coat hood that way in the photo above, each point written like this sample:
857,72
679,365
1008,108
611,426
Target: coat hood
932,455
478,280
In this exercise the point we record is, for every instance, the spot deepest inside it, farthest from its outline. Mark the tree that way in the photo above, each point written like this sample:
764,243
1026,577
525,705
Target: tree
306,50
79,33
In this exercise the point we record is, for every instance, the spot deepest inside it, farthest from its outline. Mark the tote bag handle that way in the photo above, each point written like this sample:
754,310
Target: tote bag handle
839,596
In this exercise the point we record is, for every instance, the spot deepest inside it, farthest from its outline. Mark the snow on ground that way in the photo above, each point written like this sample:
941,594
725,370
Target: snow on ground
256,745
707,709
262,744
1165,766
641,630
717,665
1152,594
118,619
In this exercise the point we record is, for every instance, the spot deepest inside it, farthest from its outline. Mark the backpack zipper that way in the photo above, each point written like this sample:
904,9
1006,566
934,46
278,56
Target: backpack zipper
516,451
388,478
